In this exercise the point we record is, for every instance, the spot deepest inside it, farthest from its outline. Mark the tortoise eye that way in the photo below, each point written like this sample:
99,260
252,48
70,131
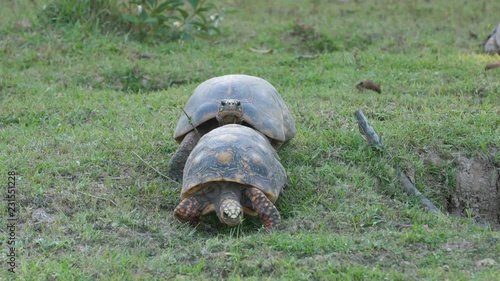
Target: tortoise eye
223,102
238,103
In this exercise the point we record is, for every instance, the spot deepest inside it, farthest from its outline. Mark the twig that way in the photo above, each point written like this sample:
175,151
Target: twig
165,176
264,52
117,178
190,122
373,139
113,178
97,197
307,57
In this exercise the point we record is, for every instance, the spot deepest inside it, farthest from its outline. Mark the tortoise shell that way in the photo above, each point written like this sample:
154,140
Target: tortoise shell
234,153
263,107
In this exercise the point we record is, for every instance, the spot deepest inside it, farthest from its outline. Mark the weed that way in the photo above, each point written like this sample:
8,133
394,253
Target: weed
311,40
86,13
164,20
169,19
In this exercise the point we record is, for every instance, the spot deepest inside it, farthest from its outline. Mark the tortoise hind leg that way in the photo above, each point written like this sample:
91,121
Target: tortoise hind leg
187,210
178,160
264,207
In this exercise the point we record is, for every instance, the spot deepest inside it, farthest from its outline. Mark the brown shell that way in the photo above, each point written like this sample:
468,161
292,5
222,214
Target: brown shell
234,153
263,107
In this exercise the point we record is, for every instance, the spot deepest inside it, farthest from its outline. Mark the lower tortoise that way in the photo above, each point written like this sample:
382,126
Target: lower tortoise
233,170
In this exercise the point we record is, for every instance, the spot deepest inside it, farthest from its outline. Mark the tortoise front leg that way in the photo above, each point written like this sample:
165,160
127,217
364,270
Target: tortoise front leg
187,210
178,160
264,207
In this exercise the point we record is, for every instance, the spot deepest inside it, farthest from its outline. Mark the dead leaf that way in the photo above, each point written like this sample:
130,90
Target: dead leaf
264,51
492,65
40,216
368,85
486,262
403,226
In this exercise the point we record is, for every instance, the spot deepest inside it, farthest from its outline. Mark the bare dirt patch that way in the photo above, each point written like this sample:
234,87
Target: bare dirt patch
477,191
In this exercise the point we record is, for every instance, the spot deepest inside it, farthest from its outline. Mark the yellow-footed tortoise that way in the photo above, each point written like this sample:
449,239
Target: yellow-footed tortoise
239,99
233,171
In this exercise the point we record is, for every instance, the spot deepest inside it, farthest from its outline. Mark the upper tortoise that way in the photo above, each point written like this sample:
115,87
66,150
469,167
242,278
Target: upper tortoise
238,99
233,171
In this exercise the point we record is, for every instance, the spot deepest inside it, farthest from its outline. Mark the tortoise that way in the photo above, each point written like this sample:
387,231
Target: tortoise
238,99
233,171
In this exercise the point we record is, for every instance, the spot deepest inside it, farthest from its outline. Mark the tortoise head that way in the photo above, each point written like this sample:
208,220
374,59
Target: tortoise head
230,112
230,212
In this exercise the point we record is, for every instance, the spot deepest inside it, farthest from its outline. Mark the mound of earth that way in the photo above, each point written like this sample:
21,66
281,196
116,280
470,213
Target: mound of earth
477,189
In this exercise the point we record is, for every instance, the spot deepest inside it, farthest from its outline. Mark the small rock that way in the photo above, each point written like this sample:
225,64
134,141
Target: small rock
40,216
486,262
304,224
23,24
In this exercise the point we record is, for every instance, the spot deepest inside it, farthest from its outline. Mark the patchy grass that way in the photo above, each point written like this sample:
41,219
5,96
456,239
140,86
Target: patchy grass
78,109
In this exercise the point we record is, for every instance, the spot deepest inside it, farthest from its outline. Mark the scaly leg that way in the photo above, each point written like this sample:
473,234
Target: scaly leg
187,210
264,207
178,160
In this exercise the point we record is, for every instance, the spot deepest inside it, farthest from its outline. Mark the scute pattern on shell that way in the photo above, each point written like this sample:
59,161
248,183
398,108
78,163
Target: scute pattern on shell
263,107
234,153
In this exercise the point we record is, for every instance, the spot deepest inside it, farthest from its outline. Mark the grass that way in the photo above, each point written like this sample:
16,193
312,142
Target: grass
79,106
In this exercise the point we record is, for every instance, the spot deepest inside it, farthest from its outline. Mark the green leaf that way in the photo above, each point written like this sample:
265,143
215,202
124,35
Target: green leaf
167,5
143,15
184,14
175,18
204,9
151,20
131,18
193,3
163,18
151,3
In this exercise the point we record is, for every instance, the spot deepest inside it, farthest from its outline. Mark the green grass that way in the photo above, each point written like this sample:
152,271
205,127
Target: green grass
78,108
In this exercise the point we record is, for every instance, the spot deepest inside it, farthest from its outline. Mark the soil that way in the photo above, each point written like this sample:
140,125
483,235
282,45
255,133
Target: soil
477,188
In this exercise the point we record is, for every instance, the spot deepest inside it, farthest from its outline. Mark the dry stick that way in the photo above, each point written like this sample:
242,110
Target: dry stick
115,178
373,139
413,191
307,57
97,197
190,122
368,131
165,176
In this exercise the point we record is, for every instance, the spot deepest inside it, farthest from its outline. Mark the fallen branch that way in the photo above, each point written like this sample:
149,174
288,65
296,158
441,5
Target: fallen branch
373,139
411,190
366,130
